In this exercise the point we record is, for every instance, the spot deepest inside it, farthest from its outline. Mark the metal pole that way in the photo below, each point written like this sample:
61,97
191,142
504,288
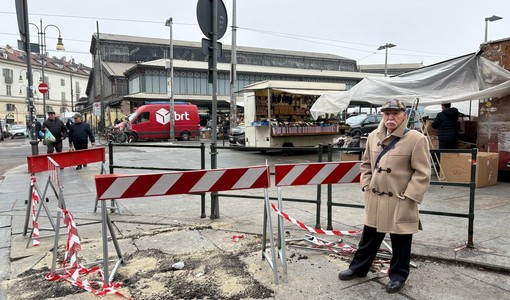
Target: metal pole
233,71
320,150
472,188
43,56
214,38
170,84
486,26
386,62
30,95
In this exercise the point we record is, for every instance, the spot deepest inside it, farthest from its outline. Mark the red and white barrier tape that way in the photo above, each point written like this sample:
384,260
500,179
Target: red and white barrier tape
75,271
314,230
35,200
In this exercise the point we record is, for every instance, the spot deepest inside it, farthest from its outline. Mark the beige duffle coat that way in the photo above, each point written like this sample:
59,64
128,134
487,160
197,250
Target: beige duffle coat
395,187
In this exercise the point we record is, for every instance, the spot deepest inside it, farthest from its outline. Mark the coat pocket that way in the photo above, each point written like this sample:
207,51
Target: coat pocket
407,211
370,208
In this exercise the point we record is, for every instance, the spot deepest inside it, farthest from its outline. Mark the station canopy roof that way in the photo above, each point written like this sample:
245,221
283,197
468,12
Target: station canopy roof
296,87
465,78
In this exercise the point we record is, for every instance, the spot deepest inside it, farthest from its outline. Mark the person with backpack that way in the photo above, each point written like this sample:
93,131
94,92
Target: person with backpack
395,174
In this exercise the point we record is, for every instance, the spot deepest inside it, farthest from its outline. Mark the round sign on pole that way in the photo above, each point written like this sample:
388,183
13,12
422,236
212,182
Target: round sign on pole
204,11
43,88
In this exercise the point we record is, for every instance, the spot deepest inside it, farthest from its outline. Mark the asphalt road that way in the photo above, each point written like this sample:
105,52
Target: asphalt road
14,152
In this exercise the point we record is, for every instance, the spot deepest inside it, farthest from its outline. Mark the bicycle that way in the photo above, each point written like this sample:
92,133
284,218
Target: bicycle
112,135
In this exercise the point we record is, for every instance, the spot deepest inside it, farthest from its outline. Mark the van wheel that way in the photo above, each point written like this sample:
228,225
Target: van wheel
133,137
185,136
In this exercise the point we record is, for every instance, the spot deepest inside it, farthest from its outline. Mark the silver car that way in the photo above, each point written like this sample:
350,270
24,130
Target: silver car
18,131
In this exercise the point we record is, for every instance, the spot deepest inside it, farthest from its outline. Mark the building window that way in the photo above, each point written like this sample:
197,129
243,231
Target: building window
63,96
8,90
62,82
10,107
134,85
8,74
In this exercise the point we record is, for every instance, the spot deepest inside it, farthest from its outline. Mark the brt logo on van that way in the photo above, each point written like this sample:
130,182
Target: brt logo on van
163,116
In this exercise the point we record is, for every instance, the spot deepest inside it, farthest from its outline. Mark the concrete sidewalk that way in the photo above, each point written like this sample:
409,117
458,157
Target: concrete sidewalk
165,222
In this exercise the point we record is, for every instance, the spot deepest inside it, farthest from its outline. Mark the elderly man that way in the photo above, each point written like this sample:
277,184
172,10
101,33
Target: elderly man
395,174
57,128
79,135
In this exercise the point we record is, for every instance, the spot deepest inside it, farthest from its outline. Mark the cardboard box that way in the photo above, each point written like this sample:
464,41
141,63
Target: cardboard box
350,156
428,130
456,167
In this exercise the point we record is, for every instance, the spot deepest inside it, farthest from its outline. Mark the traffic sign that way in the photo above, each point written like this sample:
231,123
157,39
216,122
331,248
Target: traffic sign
43,88
204,16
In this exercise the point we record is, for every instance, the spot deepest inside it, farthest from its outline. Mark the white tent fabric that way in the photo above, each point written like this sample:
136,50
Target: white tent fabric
465,78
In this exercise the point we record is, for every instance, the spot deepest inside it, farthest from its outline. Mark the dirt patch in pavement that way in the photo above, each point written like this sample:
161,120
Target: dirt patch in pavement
148,274
207,275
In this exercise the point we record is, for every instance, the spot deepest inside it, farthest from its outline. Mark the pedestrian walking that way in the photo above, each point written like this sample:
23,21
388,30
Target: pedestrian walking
395,174
38,130
447,122
79,135
58,129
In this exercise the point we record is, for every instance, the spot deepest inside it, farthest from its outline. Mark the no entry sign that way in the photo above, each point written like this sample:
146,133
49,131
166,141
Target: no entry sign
43,88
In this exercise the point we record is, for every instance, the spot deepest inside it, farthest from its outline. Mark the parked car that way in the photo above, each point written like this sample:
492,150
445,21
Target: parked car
18,131
363,124
4,132
236,136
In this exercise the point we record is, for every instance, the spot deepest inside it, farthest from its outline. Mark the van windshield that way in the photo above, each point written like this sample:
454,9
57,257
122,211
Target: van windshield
131,116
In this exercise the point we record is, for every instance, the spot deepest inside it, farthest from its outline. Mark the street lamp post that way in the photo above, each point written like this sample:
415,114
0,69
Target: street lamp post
487,20
388,45
21,80
41,33
21,89
170,82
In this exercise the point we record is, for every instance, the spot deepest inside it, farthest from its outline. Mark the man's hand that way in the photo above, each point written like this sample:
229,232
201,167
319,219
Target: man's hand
93,145
71,148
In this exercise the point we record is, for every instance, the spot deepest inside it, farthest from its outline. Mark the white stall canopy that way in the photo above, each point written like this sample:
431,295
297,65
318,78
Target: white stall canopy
465,78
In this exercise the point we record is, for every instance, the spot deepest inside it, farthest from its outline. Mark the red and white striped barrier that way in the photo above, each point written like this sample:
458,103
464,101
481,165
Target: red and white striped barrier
39,163
35,200
47,162
317,173
74,272
311,229
115,186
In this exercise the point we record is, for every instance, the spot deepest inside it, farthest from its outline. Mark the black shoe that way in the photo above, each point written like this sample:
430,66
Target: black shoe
78,167
394,286
85,165
349,275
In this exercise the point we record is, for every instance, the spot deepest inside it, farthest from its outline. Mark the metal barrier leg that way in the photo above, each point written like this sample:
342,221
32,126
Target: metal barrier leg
271,259
55,243
281,237
29,207
104,216
106,225
264,230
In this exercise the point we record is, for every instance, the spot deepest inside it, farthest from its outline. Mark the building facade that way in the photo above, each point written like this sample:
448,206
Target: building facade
66,81
130,71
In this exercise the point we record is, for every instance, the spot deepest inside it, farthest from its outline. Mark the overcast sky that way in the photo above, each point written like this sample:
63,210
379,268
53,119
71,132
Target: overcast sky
423,31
